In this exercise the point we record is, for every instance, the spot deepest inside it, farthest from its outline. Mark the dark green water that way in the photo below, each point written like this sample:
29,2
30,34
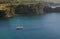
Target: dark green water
46,26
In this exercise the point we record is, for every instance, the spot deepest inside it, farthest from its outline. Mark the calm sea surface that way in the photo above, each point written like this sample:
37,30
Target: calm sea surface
45,26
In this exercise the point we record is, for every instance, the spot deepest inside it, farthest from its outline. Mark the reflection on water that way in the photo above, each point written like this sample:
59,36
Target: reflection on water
46,26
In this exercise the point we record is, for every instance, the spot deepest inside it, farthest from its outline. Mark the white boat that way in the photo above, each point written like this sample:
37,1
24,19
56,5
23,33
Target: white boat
19,27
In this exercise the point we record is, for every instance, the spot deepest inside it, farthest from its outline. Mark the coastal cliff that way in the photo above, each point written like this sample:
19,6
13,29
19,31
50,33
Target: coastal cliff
50,9
29,9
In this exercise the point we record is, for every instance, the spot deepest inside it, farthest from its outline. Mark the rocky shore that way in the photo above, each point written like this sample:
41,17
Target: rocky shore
27,10
49,9
30,9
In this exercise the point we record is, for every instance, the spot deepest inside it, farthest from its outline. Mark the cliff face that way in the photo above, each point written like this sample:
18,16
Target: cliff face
57,9
23,9
29,9
2,13
49,9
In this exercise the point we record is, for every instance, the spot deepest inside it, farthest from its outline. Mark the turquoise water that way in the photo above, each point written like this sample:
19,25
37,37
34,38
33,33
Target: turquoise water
46,26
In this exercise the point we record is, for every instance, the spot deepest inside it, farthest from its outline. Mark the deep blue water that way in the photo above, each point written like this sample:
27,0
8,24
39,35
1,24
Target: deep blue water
45,26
